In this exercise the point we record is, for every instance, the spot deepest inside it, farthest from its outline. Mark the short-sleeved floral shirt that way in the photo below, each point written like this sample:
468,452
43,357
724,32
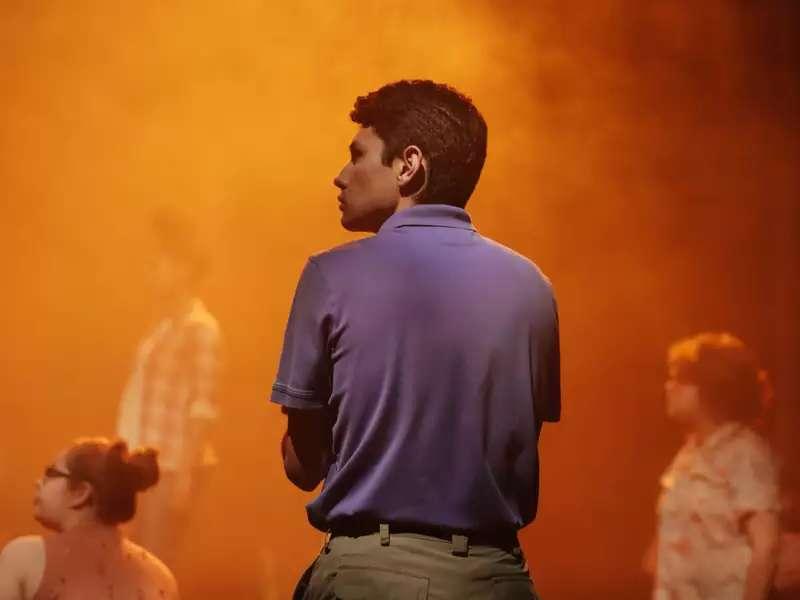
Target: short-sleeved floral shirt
707,492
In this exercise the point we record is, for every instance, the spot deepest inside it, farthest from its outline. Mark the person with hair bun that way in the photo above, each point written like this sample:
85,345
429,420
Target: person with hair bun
83,497
719,504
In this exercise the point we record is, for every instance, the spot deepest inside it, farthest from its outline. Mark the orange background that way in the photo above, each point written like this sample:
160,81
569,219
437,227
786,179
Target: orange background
643,154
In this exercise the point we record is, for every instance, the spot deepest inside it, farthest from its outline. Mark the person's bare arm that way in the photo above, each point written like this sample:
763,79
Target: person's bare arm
650,558
172,589
306,447
788,570
21,568
762,532
10,578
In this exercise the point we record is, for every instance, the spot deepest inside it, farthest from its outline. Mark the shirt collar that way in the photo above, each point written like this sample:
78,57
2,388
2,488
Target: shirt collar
194,308
722,432
429,215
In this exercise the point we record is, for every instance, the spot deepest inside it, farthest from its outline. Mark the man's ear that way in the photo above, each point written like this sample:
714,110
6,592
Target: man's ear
80,495
412,171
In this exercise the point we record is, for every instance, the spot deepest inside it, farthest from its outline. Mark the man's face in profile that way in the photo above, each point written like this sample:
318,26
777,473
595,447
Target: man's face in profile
369,188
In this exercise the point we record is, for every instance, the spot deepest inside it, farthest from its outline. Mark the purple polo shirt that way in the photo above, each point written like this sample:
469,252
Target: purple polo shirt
436,352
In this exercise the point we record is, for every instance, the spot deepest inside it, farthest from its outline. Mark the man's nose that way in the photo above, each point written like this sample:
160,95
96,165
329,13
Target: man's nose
339,180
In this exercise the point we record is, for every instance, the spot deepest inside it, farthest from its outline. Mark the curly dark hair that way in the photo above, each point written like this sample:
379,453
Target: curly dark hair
726,372
115,474
442,122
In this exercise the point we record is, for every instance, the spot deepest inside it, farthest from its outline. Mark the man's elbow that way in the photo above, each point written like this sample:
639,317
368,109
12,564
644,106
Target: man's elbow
296,470
301,478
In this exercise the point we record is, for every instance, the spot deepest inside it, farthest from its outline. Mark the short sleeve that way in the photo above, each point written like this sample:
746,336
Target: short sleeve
754,480
546,367
304,373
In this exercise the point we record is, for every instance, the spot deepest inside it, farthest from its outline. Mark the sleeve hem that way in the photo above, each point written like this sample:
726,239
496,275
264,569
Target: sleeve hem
285,398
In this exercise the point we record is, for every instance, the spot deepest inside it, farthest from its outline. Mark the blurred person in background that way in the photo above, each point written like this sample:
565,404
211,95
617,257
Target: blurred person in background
718,512
419,365
83,497
169,402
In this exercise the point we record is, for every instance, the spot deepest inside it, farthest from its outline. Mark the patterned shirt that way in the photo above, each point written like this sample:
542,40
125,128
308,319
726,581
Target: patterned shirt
173,380
707,491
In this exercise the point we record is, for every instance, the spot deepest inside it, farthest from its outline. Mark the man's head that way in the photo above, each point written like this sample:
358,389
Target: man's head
420,143
179,264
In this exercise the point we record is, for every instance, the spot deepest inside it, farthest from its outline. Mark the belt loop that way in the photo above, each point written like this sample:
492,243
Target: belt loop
384,531
325,541
460,545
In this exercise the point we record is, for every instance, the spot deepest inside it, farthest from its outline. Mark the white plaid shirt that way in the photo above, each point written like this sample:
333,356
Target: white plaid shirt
173,381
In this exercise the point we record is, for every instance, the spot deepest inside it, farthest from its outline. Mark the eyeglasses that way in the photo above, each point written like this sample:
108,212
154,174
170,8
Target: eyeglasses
51,472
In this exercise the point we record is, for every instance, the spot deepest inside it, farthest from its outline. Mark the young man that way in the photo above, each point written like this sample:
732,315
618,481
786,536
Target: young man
169,402
417,369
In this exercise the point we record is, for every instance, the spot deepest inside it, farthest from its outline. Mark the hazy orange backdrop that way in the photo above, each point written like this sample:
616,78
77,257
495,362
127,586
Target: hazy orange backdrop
643,154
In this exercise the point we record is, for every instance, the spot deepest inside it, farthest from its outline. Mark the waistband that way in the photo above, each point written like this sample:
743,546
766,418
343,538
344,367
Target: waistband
505,540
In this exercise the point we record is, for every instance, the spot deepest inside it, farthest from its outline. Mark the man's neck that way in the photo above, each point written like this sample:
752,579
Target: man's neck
402,204
179,306
704,428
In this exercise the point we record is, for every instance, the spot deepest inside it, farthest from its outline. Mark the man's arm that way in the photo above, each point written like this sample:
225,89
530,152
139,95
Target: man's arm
762,533
306,447
303,384
650,558
787,575
545,350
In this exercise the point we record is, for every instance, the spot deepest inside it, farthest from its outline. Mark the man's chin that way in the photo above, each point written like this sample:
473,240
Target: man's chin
351,224
45,522
360,224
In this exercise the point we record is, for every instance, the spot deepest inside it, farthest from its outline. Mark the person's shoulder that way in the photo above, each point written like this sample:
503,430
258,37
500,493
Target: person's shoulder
342,258
23,560
747,441
201,320
23,548
342,251
743,450
155,571
520,262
